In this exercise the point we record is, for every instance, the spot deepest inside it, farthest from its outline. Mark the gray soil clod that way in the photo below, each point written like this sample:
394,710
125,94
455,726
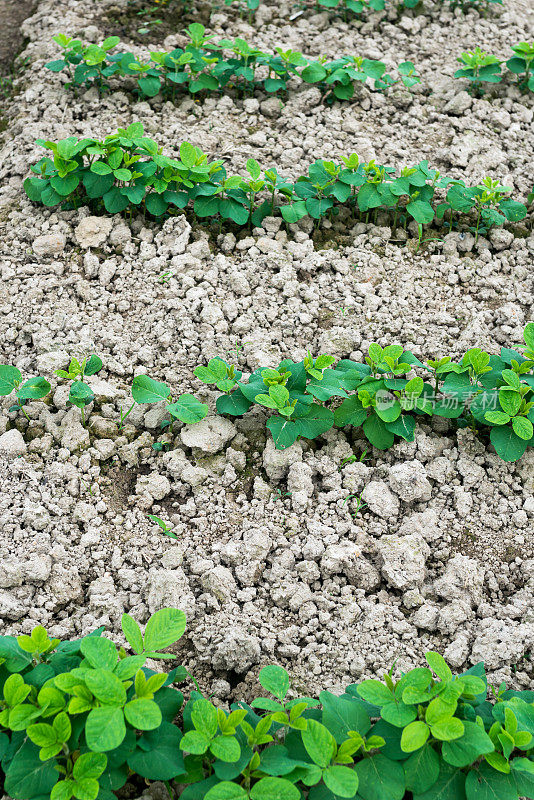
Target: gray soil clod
442,555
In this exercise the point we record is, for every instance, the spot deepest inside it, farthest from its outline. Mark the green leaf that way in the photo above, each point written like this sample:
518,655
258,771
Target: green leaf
375,692
319,743
380,778
188,409
147,390
33,389
275,680
100,652
284,431
105,686
523,427
104,729
464,751
313,73
132,633
143,714
447,729
10,377
158,756
403,426
377,433
234,404
450,785
80,394
421,769
204,717
164,628
226,748
341,715
350,412
274,789
414,736
398,714
27,776
486,783
508,445
342,781
226,790
438,665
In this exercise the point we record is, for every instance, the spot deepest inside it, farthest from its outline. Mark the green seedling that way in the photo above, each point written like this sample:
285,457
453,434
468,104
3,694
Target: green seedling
81,394
360,504
521,64
11,381
479,68
127,170
166,529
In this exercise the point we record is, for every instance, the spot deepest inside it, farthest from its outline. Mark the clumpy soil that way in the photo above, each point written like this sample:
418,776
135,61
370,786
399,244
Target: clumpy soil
272,562
12,13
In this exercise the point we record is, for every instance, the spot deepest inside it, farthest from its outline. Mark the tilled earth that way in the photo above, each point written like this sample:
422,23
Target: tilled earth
273,563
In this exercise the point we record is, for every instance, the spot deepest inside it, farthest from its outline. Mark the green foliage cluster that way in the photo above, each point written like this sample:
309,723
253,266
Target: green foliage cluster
77,719
203,67
127,170
480,68
312,396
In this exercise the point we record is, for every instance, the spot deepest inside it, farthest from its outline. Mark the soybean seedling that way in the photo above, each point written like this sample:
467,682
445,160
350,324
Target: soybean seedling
32,389
81,394
478,68
166,529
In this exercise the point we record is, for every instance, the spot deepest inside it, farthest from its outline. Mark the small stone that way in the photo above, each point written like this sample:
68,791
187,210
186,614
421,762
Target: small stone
51,244
12,444
93,231
381,500
210,435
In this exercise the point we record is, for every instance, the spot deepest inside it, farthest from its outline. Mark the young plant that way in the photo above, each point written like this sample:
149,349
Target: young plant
11,381
479,68
166,529
80,394
521,64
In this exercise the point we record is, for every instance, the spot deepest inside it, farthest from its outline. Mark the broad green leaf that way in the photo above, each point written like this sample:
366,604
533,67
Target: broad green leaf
274,789
375,692
132,632
380,778
464,751
414,736
188,409
508,445
485,783
226,790
27,776
226,748
158,755
319,743
100,652
341,715
105,686
342,781
147,390
164,628
143,714
450,785
275,680
10,377
421,769
33,389
104,729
